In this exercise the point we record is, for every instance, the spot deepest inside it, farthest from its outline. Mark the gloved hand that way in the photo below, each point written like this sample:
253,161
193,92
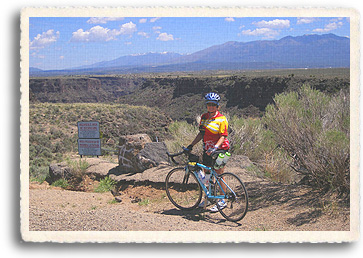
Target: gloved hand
211,151
189,148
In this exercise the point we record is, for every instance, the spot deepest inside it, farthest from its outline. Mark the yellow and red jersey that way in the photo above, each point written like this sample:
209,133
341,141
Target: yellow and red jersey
212,129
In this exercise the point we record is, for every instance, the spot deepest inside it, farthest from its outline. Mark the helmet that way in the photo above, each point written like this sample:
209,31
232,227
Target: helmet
212,98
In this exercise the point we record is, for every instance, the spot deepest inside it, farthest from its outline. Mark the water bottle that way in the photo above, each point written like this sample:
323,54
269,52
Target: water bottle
207,177
201,176
227,155
219,161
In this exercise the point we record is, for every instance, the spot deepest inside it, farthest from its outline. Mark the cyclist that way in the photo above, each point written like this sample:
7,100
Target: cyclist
213,130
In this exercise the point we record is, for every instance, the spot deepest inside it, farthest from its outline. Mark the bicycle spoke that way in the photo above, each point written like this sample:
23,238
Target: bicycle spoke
235,196
183,189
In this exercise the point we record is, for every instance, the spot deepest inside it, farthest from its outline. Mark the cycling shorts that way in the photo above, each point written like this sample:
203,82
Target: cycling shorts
208,160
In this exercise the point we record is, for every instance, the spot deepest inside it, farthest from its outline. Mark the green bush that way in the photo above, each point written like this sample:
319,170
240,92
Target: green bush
249,137
106,184
182,134
313,129
61,183
78,168
38,173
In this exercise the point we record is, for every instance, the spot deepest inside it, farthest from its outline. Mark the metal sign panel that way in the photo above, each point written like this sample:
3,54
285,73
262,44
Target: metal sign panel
88,130
89,147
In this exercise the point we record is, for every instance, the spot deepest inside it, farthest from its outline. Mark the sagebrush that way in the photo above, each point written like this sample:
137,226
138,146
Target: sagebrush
313,129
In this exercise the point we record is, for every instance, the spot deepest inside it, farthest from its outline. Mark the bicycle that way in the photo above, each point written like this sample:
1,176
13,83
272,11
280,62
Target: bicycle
184,188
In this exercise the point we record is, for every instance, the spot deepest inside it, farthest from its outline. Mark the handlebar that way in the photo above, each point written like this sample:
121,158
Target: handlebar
172,156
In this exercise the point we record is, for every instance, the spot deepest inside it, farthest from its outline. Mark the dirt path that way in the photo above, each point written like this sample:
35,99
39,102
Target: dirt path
272,207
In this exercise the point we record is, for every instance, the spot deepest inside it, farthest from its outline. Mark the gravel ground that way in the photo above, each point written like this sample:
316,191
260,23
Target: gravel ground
272,207
144,207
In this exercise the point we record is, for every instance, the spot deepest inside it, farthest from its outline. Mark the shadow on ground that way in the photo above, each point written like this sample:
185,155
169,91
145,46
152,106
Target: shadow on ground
200,215
263,194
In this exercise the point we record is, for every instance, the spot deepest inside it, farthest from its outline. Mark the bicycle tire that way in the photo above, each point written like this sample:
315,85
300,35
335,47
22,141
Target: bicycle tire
183,189
237,205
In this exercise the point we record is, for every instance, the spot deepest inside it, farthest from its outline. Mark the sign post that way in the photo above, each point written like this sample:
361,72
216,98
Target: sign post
89,142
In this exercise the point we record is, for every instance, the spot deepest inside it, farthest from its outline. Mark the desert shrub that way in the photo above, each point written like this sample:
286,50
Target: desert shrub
246,135
38,173
61,183
56,133
313,129
251,138
182,134
106,184
78,168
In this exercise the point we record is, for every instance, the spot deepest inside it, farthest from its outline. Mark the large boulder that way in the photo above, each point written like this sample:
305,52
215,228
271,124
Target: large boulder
138,153
96,168
59,171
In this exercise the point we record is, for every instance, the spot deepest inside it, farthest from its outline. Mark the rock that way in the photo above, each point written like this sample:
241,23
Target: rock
154,152
115,192
129,147
135,199
138,153
99,168
59,171
118,199
155,175
110,141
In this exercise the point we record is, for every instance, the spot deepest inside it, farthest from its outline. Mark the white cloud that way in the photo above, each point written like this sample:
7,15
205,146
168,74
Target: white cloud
305,20
265,32
267,29
157,29
275,24
95,34
99,33
329,27
44,39
165,37
128,28
144,34
143,20
103,20
336,19
154,19
229,19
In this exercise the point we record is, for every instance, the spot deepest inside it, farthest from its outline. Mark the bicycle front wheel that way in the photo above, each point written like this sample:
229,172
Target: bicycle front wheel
236,197
183,189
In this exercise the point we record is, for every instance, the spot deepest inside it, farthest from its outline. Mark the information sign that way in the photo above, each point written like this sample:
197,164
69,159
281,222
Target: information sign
89,143
89,147
88,130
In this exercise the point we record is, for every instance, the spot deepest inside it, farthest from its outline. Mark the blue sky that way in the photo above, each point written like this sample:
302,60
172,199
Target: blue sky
65,42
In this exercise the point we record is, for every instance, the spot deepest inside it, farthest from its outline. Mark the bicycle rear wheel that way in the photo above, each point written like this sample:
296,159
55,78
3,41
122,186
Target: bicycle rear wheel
236,197
183,189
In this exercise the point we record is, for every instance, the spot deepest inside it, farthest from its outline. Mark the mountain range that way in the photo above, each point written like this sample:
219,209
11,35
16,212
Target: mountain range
307,51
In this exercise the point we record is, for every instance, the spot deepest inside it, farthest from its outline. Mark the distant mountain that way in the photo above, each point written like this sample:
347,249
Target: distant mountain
33,69
148,59
311,51
307,51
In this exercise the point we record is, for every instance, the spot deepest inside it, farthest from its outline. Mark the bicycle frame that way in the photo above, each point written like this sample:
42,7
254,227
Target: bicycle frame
213,174
236,207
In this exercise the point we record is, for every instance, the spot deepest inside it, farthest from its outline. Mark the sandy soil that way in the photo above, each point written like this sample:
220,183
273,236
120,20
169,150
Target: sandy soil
145,206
